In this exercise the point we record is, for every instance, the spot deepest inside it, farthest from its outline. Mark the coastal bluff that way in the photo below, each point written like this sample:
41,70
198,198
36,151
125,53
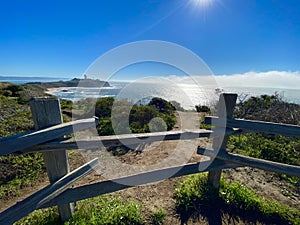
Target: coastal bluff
75,82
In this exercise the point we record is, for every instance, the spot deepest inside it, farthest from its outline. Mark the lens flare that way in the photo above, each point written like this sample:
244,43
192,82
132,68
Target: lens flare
202,3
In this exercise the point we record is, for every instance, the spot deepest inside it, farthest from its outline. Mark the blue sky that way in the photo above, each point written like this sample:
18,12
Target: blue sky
62,38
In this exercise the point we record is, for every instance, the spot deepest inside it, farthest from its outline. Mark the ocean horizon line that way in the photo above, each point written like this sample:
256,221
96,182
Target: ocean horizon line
35,76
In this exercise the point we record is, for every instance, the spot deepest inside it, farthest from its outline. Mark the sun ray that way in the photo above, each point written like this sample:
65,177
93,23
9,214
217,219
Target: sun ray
202,3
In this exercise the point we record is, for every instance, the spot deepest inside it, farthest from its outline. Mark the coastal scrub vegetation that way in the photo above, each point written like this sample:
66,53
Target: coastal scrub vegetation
105,210
276,148
102,210
158,217
203,108
17,171
21,93
194,198
270,108
122,116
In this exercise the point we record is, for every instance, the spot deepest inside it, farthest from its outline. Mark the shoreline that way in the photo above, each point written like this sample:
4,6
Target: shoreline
54,90
60,89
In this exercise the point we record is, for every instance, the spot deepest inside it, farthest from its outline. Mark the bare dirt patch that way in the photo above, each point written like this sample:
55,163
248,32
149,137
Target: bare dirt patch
265,184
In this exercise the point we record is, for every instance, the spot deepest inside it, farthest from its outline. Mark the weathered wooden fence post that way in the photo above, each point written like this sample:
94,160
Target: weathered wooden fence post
225,110
46,112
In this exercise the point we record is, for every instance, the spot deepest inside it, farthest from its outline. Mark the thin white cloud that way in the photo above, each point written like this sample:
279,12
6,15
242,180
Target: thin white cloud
270,79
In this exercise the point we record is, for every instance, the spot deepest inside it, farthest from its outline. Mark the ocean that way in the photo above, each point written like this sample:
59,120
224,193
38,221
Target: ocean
23,80
188,95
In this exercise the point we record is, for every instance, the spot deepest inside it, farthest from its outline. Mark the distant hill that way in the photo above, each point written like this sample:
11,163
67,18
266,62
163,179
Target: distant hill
73,83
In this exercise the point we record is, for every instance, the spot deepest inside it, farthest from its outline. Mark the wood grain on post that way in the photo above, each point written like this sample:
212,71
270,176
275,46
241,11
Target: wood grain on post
46,112
225,110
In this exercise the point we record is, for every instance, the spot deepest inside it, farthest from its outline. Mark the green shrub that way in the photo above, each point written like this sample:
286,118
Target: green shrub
19,171
268,108
240,198
14,117
66,104
105,210
162,105
169,119
177,106
194,196
275,148
158,217
105,127
157,124
121,116
101,210
140,116
103,107
14,89
47,216
202,108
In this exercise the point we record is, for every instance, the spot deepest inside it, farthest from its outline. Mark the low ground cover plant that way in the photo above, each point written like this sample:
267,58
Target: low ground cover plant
196,198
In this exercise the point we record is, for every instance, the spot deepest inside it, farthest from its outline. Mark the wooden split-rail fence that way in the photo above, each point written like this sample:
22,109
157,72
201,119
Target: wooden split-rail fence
48,139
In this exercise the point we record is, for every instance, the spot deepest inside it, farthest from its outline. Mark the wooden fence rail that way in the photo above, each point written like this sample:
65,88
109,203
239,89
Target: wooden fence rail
94,143
47,118
255,126
108,186
22,141
253,162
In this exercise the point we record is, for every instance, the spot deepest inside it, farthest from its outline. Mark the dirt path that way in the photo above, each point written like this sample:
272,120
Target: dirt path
188,120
